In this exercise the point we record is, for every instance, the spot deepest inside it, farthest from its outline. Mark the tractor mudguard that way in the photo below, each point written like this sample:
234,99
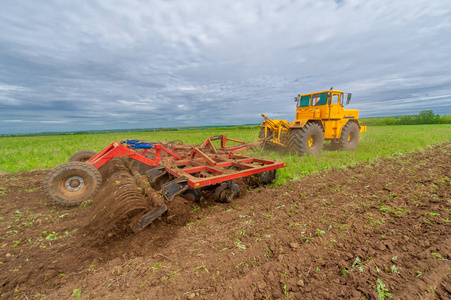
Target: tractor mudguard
299,123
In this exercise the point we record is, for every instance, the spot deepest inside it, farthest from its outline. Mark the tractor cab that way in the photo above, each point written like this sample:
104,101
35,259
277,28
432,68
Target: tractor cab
323,105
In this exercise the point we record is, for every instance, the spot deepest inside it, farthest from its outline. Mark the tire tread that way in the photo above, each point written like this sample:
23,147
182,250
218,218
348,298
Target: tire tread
82,155
61,169
298,139
343,143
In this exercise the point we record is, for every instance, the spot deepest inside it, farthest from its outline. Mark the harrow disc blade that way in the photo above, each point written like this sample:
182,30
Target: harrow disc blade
174,187
148,218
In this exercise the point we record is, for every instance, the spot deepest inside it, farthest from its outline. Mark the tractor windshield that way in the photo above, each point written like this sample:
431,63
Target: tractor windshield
319,99
304,101
313,100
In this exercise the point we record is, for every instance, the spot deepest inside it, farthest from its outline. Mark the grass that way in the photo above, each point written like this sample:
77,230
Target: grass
18,154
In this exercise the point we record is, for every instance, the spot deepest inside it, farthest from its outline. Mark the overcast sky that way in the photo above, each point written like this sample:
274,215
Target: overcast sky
98,64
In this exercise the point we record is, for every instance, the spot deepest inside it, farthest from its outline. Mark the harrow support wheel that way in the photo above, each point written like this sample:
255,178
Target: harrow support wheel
190,194
226,192
82,156
72,183
307,140
350,135
268,177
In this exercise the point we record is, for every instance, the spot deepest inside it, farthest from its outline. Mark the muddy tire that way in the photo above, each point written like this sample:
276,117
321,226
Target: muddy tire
82,156
268,177
261,135
190,194
72,183
350,135
266,143
307,140
224,194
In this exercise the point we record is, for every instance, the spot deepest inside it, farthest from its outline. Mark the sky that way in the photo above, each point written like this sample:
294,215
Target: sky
102,65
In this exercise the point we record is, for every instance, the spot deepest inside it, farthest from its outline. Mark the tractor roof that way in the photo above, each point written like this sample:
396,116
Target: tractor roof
334,91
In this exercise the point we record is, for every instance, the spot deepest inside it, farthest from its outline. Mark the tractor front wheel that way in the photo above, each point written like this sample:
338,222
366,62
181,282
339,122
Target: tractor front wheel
72,183
307,140
265,142
261,135
82,156
350,135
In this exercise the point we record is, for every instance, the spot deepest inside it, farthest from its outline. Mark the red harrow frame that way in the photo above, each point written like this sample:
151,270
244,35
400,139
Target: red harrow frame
174,167
194,167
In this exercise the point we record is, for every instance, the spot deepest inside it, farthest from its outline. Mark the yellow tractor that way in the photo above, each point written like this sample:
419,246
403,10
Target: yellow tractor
319,116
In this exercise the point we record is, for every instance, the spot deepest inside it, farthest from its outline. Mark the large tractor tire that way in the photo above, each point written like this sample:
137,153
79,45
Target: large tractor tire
307,140
72,183
82,156
265,143
350,135
261,135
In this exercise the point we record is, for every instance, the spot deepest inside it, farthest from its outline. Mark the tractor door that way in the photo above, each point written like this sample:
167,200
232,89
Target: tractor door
320,104
336,108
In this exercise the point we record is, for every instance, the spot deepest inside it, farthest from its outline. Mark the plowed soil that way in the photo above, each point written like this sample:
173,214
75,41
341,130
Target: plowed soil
354,233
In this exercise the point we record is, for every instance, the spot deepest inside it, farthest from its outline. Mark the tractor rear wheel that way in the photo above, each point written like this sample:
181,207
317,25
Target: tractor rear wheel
350,135
72,183
82,156
307,140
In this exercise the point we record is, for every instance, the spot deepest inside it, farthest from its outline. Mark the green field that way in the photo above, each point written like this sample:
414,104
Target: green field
25,153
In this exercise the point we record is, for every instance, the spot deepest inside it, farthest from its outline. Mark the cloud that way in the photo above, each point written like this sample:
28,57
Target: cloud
96,64
11,88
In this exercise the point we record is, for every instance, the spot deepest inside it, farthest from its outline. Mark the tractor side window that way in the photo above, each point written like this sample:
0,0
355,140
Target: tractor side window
335,99
319,99
305,101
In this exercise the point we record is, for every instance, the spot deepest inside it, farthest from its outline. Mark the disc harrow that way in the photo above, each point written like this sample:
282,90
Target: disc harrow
174,168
